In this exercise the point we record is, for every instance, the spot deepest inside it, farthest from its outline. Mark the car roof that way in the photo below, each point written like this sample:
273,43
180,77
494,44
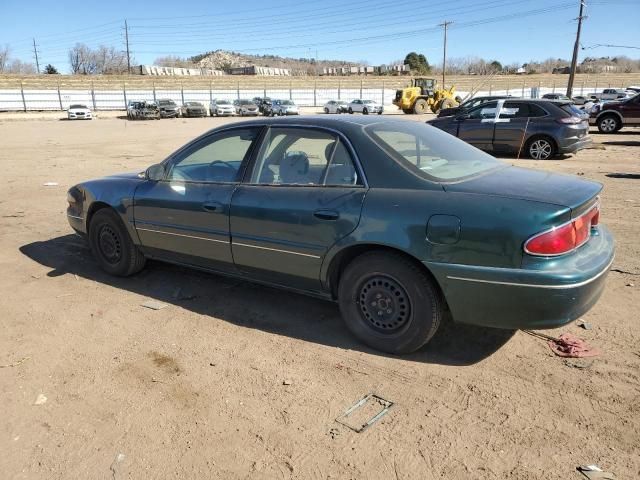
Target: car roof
319,121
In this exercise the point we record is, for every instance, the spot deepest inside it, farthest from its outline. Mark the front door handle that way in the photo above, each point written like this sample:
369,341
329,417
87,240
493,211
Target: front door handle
326,214
212,207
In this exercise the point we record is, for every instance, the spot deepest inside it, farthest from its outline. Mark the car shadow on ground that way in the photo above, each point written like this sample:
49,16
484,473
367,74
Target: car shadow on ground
623,143
255,306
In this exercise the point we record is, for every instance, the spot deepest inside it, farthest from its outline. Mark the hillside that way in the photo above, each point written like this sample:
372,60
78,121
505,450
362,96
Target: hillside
221,59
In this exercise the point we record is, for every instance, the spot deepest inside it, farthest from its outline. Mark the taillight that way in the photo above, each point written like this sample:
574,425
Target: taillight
565,238
569,120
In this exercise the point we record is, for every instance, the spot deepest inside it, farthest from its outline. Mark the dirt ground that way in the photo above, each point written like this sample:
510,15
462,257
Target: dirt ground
234,381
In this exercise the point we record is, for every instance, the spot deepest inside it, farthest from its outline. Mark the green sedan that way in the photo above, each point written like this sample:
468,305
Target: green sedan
396,221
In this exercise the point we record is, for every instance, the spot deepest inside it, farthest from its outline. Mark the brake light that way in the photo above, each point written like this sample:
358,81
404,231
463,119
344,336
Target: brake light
565,238
569,120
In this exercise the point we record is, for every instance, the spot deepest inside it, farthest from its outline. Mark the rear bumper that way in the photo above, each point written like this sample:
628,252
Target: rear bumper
574,144
547,295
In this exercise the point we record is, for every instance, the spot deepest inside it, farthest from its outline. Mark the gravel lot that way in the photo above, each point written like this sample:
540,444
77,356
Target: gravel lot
233,380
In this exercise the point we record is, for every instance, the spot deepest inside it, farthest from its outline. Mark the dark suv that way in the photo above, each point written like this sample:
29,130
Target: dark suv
539,129
612,116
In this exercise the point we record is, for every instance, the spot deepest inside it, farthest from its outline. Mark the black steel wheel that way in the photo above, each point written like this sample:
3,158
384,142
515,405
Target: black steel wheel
389,302
111,245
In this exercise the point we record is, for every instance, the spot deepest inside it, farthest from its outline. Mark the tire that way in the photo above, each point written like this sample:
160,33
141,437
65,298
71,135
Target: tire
448,103
326,110
111,245
365,111
420,107
540,148
412,306
351,110
609,124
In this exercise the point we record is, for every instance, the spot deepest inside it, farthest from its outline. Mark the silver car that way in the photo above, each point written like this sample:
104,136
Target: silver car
246,107
336,106
221,108
365,107
284,107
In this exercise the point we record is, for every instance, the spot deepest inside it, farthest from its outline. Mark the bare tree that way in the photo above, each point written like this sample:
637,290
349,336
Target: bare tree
4,58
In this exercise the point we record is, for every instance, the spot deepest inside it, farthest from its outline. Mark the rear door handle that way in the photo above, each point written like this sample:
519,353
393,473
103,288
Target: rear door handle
326,214
212,207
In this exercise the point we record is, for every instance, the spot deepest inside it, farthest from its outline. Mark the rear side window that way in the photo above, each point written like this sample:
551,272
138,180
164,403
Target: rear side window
572,110
429,152
514,110
536,111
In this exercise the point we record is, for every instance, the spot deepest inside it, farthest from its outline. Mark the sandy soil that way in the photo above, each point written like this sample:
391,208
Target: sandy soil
233,380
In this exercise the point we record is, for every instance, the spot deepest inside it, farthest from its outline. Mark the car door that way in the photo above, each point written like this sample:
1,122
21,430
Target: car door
476,126
356,105
510,126
303,194
631,111
185,217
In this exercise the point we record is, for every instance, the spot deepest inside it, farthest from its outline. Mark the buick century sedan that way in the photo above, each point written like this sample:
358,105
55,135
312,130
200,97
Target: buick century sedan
397,221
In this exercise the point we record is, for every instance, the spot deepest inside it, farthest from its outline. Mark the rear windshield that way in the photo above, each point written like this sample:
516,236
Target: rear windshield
572,110
429,152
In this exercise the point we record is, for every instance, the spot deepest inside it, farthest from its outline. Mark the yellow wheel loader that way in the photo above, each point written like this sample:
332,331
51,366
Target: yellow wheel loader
423,95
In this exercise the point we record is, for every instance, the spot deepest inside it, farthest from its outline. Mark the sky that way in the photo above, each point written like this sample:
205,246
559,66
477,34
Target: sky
376,31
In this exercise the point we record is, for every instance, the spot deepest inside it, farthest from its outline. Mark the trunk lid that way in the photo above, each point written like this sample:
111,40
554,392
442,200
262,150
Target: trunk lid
534,185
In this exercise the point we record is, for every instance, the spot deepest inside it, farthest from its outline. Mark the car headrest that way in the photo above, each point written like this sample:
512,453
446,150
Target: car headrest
294,168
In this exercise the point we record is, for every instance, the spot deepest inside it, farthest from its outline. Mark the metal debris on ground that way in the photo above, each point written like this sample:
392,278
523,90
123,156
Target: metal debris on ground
119,458
154,305
50,184
593,472
286,382
365,412
630,284
15,364
585,325
40,400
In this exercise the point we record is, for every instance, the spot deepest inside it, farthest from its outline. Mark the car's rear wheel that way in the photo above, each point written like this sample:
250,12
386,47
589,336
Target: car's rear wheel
326,110
389,303
540,148
609,124
420,107
112,246
365,111
350,110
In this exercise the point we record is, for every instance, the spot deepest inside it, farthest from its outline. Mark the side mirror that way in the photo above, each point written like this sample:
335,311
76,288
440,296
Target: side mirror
155,173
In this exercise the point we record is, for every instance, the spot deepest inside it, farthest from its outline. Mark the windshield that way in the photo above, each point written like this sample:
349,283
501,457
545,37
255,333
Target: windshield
367,101
429,152
223,102
287,102
244,102
78,106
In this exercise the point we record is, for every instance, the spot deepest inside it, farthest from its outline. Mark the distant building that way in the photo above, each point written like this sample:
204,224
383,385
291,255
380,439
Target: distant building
257,70
177,71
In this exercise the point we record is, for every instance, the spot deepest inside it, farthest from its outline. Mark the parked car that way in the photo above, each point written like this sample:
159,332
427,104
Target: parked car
632,90
143,111
193,109
246,107
365,107
556,96
263,103
469,104
78,111
396,221
612,116
221,108
539,129
336,106
168,108
580,100
283,107
610,94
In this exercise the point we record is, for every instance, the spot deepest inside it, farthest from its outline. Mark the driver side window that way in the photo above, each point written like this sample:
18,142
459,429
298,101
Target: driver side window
216,159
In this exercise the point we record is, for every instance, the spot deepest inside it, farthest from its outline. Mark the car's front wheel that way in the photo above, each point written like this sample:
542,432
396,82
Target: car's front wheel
111,245
540,148
389,303
350,110
365,111
326,110
609,124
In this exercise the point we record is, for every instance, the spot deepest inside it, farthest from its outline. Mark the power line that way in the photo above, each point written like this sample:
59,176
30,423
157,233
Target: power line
597,45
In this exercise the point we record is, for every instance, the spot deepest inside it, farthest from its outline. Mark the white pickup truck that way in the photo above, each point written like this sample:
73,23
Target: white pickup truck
610,94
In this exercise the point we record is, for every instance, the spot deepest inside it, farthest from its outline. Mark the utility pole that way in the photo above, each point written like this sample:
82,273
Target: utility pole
444,24
574,59
35,52
126,37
